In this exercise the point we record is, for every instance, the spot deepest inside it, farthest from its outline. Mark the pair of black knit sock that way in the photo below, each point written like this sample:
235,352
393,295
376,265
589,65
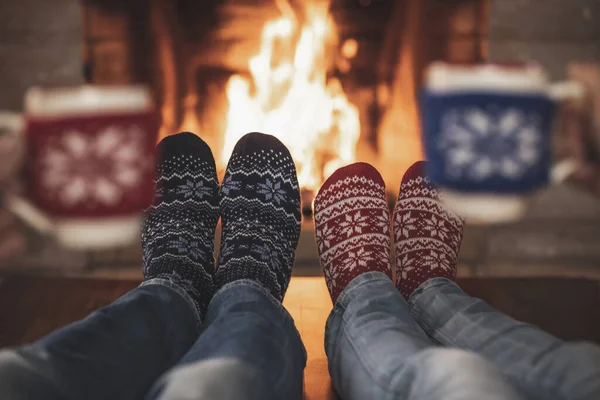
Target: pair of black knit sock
259,206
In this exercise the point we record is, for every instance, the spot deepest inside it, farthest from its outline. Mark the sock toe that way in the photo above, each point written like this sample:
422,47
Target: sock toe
254,142
184,143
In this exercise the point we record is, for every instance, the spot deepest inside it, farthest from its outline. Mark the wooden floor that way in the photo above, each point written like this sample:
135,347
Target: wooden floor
31,307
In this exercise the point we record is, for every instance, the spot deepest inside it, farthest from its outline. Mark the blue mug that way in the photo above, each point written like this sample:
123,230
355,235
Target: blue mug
487,132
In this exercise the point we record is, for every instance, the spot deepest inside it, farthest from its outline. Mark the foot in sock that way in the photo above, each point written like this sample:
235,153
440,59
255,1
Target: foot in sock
427,235
260,215
178,230
352,225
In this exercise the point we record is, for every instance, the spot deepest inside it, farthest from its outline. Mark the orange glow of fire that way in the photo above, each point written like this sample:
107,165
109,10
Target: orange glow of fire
288,95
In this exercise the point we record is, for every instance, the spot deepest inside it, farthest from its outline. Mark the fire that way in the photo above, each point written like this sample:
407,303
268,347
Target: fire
287,94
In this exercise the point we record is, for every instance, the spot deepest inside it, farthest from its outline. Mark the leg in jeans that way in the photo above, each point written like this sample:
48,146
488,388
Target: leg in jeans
249,348
375,348
538,363
118,351
427,241
115,353
377,351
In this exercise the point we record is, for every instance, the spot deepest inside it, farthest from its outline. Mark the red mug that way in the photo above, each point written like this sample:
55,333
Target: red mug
90,153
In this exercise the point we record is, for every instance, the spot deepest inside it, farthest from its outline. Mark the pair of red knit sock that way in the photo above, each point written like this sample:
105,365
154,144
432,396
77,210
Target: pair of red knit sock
353,229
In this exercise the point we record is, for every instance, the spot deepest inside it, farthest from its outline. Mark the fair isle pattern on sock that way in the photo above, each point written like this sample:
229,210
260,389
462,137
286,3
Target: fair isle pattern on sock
352,226
179,228
260,215
427,235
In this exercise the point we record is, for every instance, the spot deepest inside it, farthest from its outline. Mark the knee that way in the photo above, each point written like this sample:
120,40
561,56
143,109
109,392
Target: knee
221,378
464,374
454,361
579,358
572,369
443,365
19,381
13,371
582,355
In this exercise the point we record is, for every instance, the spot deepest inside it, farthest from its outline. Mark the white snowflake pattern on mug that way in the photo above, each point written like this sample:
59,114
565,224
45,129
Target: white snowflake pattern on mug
78,167
480,144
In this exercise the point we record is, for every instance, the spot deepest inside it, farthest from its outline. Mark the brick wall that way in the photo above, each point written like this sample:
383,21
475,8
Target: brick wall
552,32
40,44
106,44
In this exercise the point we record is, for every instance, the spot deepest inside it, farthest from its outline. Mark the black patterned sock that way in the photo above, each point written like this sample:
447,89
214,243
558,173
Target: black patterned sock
260,214
178,230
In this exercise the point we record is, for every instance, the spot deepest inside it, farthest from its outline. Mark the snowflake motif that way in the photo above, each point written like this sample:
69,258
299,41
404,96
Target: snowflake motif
357,259
437,260
272,191
268,254
353,224
159,192
77,167
230,185
331,275
436,227
188,247
324,237
404,225
406,265
382,222
191,189
480,144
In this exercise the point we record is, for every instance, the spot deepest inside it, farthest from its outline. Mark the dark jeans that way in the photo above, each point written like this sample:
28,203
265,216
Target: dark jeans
150,343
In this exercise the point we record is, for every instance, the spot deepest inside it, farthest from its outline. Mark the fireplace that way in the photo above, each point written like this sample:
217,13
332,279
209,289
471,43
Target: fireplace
187,51
335,80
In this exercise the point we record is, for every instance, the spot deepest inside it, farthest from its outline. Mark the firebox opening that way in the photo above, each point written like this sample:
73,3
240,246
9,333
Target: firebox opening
334,80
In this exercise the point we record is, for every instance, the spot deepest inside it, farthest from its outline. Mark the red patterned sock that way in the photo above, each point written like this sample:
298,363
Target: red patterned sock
427,235
352,224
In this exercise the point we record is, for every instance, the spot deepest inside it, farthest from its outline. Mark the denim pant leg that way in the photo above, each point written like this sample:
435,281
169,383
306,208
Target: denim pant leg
116,352
537,363
376,350
249,349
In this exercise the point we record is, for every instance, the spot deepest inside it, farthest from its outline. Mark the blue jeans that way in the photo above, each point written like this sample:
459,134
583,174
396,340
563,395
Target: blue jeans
150,343
538,364
444,344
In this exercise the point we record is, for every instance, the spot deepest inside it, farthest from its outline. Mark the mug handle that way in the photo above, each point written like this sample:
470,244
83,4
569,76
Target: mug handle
17,205
562,170
563,91
26,211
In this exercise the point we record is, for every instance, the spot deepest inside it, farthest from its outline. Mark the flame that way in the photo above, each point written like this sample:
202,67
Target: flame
289,96
167,68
